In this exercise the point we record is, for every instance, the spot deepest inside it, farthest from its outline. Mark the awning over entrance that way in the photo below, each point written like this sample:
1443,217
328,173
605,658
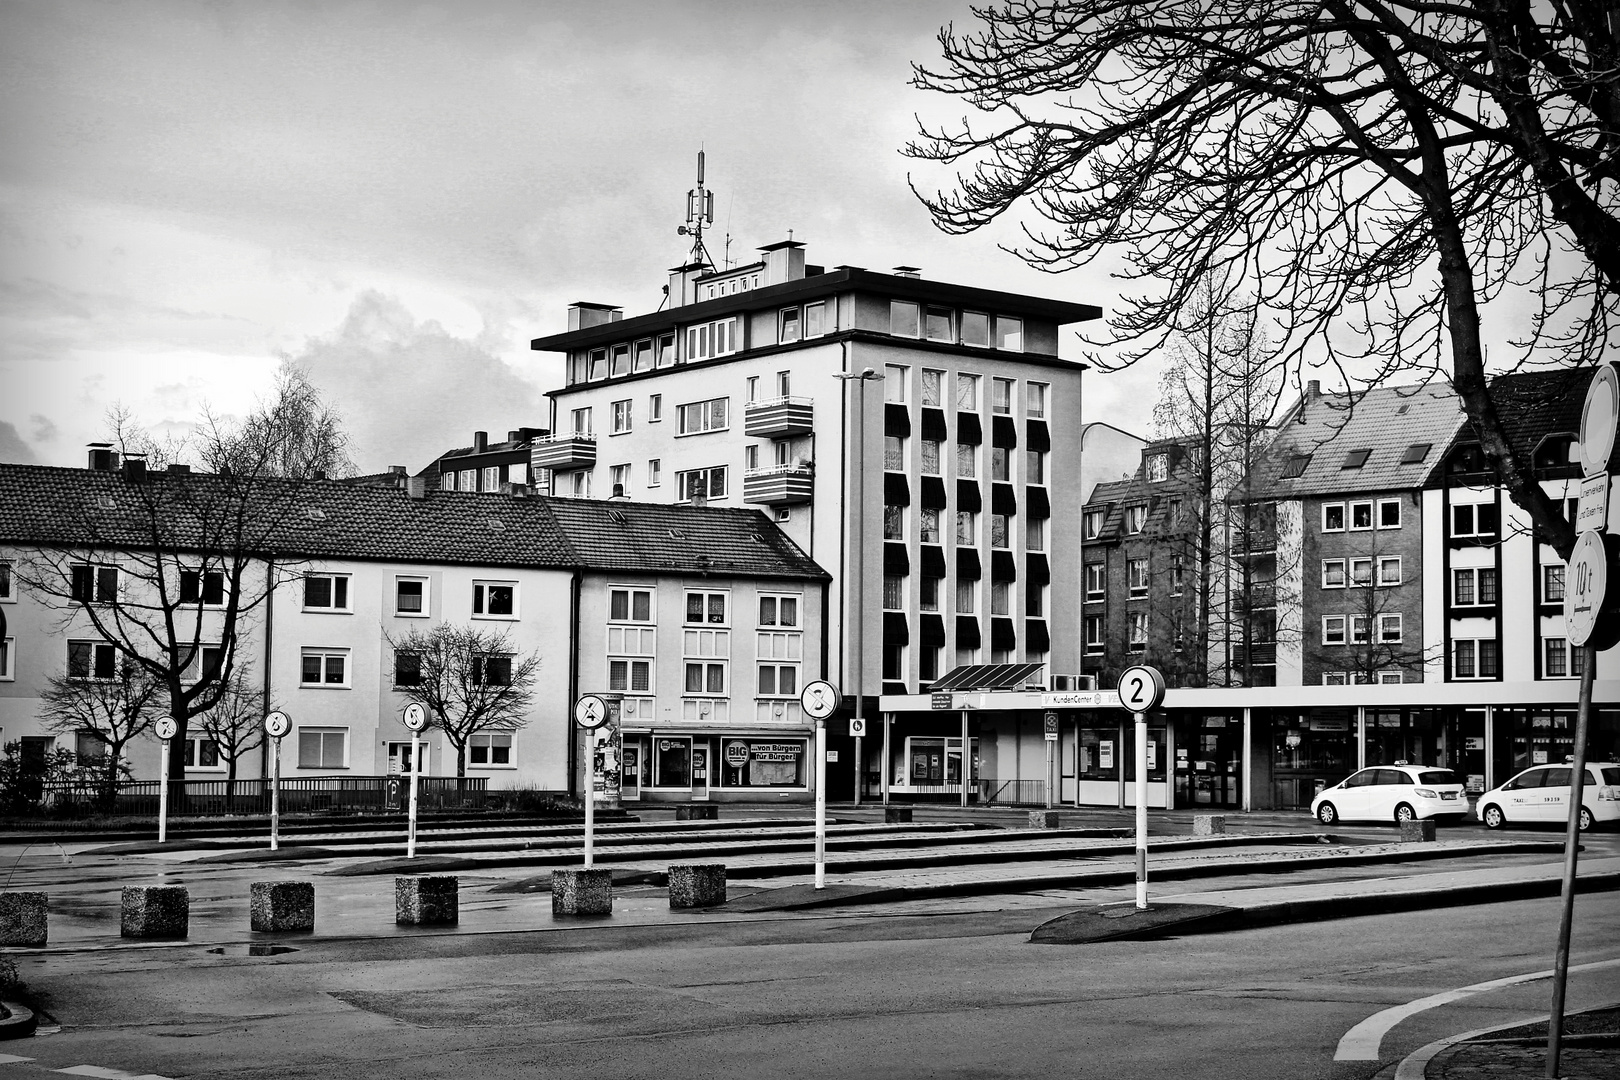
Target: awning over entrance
989,677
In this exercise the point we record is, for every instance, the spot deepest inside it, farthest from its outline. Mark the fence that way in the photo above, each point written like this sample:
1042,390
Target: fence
252,796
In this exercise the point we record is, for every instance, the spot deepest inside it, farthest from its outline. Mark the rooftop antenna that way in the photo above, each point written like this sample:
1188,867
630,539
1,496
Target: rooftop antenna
699,213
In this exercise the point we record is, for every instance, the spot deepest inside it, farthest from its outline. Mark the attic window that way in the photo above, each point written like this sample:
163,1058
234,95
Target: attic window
757,538
1295,466
315,513
1416,453
617,517
676,534
1355,459
496,525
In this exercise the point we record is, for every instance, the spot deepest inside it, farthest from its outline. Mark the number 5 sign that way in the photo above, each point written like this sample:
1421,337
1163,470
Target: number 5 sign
1141,689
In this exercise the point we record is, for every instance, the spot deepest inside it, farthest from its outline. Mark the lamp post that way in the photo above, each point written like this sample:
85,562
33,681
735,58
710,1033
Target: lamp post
859,574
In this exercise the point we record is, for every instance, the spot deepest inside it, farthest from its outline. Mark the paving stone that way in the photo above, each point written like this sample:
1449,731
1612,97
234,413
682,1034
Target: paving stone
1417,832
23,919
154,911
429,900
578,891
282,906
693,885
1209,824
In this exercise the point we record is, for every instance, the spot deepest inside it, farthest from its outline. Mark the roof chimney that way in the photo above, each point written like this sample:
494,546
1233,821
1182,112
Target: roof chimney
416,487
784,261
582,315
480,441
1313,389
177,469
103,458
908,271
135,468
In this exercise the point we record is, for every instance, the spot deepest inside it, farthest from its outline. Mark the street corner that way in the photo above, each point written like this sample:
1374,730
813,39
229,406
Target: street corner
1124,922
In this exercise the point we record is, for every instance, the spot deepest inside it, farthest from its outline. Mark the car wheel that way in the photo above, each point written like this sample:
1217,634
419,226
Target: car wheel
1585,821
1493,817
1404,813
1327,814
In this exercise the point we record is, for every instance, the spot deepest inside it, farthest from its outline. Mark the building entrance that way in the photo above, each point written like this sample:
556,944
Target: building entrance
1209,762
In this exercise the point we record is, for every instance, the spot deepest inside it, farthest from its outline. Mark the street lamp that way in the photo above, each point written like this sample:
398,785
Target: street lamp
860,379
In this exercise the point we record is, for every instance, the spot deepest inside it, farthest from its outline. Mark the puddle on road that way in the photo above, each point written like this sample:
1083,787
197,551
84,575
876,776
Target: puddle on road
253,950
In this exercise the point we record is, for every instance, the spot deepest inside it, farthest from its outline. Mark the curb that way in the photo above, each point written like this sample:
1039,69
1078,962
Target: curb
19,1021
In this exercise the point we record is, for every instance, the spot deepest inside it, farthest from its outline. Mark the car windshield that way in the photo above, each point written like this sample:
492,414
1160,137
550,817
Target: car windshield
1437,776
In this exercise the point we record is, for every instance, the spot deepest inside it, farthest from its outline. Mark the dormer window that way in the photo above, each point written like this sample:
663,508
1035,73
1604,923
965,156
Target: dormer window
1158,468
1556,452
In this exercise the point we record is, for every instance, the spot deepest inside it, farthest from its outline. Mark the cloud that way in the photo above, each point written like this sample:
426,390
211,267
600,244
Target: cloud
408,390
12,447
44,428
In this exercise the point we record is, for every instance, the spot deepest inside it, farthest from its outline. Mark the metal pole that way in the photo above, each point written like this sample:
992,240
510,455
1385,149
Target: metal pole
821,804
163,795
590,799
888,755
1141,811
416,770
1049,745
964,768
860,571
1572,847
275,796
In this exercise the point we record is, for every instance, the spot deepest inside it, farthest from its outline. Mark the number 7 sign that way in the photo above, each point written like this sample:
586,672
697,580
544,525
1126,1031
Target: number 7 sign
1141,689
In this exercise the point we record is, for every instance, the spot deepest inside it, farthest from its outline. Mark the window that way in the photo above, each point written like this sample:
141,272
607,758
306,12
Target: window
323,748
894,453
621,417
410,596
1135,518
1389,513
491,670
778,680
967,460
708,483
931,381
1000,467
1415,453
930,457
938,324
790,324
1095,581
490,478
1361,571
1333,517
1138,622
92,660
1295,467
1474,659
467,480
619,479
1389,570
1158,468
894,592
1359,631
1034,467
706,607
1355,459
1389,678
967,528
1473,519
717,338
326,592
205,660
94,584
1473,585
644,355
928,595
324,667
894,383
203,754
998,531
1178,574
1334,678
598,365
8,648
1389,629
495,599
578,484
753,389
1094,634
1552,583
894,523
705,678
655,472
1009,333
630,605
1034,534
967,392
5,581
206,587
1035,400
815,319
632,675
928,526
1562,659
1001,393
581,421
1136,576
1333,630
784,383
999,598
489,749
904,318
1361,515
966,591
894,661
779,611
1092,523
975,328
407,668
700,416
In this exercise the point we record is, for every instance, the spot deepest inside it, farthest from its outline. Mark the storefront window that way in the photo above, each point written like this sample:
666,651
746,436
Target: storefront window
760,763
1526,737
672,762
1100,753
1156,755
933,762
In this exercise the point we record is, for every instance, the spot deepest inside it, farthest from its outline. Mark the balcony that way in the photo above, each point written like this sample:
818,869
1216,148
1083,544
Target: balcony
1264,653
779,418
576,450
779,485
1253,543
1259,598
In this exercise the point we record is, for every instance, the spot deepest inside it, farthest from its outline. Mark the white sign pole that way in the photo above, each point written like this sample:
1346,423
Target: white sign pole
821,804
590,799
1141,810
416,771
275,795
163,794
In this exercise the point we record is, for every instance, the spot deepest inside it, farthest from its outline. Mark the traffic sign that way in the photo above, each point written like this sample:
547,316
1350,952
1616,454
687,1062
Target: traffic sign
590,712
1591,596
819,699
277,724
857,726
1599,418
1141,688
1592,511
415,716
1051,726
165,727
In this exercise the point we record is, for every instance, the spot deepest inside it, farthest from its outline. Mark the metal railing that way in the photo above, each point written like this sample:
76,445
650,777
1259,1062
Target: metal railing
983,791
252,796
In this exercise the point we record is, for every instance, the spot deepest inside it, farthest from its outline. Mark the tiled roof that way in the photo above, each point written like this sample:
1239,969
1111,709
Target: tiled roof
1534,404
1314,444
40,505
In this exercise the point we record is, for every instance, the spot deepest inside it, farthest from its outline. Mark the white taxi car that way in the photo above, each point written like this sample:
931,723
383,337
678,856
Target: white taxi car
1541,794
1399,792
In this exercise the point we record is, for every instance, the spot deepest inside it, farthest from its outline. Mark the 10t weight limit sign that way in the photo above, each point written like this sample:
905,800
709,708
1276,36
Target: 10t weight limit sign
1591,598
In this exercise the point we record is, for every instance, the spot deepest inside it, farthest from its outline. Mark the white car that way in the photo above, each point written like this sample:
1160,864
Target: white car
1541,794
1398,792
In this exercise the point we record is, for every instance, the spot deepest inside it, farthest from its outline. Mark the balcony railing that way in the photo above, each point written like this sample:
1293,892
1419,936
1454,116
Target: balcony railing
1258,598
1261,652
575,450
1254,542
779,485
779,418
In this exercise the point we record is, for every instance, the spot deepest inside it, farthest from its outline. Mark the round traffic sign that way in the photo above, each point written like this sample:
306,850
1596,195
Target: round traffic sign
165,727
1591,599
590,712
1599,418
1141,688
277,724
819,699
415,716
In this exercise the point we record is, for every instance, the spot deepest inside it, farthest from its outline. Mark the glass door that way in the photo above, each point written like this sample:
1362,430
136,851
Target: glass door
630,774
700,770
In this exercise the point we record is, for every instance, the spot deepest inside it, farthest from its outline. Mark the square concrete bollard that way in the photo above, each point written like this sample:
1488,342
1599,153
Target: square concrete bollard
23,919
155,911
697,812
429,900
1043,819
1209,824
897,815
282,905
579,891
1417,832
697,884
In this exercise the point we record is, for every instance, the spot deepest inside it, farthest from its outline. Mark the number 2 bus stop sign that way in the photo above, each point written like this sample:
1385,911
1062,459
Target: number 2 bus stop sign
1141,689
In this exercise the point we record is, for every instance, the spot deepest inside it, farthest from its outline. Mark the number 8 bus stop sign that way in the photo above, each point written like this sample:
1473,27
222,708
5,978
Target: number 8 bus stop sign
1141,689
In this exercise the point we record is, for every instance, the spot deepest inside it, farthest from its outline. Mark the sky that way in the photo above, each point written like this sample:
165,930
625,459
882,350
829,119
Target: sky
398,196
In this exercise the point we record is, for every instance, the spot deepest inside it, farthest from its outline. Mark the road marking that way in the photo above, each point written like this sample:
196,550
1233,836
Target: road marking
13,1059
1361,1042
1416,1064
105,1073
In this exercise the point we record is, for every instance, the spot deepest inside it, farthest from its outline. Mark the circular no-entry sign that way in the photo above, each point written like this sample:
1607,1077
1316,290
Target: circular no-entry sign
819,699
277,724
415,716
590,712
165,727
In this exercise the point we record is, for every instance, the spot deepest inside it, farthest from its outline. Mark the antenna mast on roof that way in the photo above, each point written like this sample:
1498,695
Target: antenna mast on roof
699,213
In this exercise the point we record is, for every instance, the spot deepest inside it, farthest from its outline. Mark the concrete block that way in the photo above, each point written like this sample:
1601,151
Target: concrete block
697,812
1417,832
282,905
1043,819
23,919
897,815
694,885
429,900
155,911
578,891
1209,824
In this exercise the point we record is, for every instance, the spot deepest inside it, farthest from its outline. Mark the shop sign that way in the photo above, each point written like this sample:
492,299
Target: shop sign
1105,754
772,752
736,754
940,700
1331,723
1080,699
832,757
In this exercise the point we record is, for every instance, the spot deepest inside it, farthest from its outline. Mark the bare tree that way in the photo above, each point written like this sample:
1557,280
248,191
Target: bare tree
1373,172
235,724
116,703
470,681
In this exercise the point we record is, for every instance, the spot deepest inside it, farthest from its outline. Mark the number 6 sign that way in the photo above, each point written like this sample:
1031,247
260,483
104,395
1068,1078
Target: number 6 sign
1141,689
